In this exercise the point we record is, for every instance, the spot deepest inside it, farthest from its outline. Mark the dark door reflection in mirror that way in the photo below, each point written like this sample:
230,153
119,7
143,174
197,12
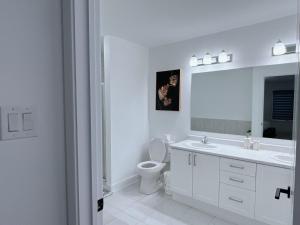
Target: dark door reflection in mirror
279,107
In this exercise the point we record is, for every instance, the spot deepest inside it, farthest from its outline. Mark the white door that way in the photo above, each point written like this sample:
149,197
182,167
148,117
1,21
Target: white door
206,173
181,172
268,209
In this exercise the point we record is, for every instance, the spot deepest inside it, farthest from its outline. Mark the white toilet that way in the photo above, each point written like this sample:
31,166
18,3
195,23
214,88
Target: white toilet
150,171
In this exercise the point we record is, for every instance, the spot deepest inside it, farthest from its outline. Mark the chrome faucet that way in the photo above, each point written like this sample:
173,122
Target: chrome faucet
204,140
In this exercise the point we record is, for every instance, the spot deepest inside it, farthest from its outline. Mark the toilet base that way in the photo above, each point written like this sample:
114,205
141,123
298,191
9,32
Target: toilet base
150,184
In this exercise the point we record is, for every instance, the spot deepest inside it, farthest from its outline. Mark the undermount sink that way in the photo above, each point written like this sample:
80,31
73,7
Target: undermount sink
201,145
284,158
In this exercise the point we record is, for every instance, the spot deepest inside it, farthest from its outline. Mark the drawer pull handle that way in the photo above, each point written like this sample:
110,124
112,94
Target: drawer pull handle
236,200
190,155
237,167
236,180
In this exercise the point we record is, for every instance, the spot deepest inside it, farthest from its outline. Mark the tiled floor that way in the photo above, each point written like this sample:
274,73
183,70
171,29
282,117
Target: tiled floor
129,207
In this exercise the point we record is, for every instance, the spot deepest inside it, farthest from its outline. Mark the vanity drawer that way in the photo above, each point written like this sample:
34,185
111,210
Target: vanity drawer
237,200
237,180
237,166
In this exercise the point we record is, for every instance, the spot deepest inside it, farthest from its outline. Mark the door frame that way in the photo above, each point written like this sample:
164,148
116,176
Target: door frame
296,210
96,108
82,58
82,105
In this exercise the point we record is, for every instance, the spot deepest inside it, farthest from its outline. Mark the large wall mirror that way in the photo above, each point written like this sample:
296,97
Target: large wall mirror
256,101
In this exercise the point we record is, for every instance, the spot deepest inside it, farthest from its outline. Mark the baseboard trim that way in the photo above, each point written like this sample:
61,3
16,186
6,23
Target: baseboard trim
107,187
125,183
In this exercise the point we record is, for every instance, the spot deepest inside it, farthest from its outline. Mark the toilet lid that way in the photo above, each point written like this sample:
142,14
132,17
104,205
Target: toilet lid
157,150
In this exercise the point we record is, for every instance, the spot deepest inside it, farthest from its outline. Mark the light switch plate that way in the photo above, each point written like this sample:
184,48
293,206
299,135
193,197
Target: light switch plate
9,128
28,121
30,126
12,122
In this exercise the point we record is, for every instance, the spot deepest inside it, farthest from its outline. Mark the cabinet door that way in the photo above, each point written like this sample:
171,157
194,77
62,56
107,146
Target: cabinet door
206,173
268,209
181,172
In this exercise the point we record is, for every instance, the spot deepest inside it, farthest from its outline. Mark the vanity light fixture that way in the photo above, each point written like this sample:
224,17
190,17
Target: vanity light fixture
282,49
279,48
194,61
223,57
208,59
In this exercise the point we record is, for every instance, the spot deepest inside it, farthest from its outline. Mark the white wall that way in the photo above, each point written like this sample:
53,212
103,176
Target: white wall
126,75
251,46
32,171
215,94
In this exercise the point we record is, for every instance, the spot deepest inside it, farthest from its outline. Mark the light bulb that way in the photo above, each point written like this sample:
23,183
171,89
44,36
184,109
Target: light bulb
223,57
207,59
194,61
279,48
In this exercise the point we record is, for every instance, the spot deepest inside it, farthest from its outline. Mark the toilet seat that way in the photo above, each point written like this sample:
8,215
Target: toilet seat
150,171
151,166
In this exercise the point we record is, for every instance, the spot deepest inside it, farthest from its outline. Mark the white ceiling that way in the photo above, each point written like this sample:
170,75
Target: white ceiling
158,22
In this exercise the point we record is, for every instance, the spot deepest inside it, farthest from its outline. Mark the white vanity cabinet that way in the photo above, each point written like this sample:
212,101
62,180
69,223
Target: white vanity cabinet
206,177
268,209
195,175
242,187
182,170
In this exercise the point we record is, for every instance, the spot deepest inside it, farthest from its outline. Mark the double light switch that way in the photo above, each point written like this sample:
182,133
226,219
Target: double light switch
28,123
13,122
17,122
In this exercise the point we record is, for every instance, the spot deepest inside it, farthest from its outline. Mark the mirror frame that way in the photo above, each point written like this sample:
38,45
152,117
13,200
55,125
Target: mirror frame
267,70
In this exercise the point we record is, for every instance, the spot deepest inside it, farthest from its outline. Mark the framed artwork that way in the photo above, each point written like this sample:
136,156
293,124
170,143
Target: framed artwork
168,90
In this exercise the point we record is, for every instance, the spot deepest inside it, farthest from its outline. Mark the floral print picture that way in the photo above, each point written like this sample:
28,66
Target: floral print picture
167,90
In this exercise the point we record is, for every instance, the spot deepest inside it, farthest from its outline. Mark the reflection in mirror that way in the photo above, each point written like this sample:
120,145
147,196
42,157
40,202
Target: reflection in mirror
222,101
279,107
255,101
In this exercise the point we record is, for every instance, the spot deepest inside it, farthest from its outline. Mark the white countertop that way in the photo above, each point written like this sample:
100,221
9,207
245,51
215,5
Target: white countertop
265,157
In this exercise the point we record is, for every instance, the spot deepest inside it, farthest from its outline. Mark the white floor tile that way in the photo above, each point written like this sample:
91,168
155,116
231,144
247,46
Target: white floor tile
196,217
217,221
140,211
173,209
109,214
117,200
108,218
119,222
161,219
130,207
124,219
153,221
